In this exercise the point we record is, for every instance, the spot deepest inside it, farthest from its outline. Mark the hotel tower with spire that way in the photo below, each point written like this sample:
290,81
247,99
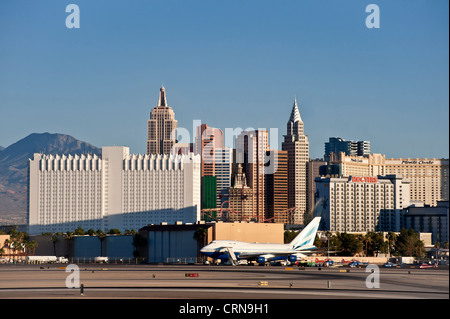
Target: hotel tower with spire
297,146
160,126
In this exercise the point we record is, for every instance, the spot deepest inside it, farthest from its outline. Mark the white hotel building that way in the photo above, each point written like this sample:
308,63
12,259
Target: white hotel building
115,191
361,204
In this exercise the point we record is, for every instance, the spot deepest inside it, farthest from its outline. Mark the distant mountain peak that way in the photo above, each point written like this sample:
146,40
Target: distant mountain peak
14,162
14,158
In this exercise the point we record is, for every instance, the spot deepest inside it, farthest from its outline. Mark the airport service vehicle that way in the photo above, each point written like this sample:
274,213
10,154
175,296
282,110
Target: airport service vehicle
406,260
46,259
297,249
101,260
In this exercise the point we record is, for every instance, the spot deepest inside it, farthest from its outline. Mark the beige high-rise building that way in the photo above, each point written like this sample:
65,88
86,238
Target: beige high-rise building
207,140
251,151
429,177
297,145
160,127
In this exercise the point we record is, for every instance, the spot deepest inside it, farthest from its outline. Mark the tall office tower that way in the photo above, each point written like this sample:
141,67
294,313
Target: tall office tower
160,126
277,189
251,151
297,145
355,148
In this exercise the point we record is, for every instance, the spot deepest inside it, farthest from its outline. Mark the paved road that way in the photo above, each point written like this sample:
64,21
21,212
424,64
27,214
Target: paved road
218,282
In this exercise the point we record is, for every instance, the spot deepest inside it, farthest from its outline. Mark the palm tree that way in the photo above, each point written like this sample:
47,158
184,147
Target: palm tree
200,235
101,236
33,244
54,239
367,240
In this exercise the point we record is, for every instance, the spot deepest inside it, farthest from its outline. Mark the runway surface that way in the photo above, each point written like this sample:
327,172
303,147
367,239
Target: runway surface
219,282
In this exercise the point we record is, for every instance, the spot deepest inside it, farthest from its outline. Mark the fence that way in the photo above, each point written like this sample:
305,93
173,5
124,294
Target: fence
184,260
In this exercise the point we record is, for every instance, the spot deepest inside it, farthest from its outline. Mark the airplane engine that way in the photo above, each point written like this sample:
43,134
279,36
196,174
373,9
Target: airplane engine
296,257
264,258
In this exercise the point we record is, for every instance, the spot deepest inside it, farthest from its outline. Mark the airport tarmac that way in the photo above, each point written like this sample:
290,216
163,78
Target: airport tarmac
110,281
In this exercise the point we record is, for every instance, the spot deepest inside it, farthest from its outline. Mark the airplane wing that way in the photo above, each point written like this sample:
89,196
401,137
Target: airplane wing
273,253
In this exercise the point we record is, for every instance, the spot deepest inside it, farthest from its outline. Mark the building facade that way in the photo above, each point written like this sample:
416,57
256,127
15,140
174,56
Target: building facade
432,220
362,203
277,190
354,148
297,146
223,170
429,177
115,191
160,127
251,151
313,172
240,197
216,160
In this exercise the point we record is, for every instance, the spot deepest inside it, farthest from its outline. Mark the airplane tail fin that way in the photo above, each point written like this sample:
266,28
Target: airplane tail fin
307,235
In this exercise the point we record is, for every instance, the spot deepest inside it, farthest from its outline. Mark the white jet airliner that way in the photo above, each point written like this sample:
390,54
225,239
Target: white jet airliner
235,250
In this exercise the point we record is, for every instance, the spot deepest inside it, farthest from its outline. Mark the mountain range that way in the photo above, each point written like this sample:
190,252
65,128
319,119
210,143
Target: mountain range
13,169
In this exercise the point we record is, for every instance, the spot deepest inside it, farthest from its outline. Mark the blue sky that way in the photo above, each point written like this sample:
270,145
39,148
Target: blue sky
229,64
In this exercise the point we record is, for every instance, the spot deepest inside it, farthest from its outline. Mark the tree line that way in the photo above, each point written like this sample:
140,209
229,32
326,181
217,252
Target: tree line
371,244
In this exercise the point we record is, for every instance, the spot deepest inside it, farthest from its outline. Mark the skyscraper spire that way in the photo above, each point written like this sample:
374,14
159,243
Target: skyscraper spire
160,127
162,97
295,114
297,146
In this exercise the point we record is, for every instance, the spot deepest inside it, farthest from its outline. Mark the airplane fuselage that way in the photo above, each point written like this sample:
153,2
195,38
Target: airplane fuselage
244,250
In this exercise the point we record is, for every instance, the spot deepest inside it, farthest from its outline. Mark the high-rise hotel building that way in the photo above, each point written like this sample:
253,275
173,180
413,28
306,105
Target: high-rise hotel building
429,177
297,146
160,127
117,190
362,203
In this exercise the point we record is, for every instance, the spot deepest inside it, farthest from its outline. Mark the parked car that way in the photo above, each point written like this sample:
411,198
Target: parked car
389,265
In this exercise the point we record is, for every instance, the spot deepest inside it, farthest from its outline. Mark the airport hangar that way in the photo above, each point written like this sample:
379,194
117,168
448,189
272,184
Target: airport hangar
176,242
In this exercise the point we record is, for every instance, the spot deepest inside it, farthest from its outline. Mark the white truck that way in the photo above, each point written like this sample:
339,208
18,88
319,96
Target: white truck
406,260
101,260
46,259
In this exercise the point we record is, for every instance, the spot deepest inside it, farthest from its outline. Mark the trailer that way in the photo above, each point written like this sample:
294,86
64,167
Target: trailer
46,259
406,260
